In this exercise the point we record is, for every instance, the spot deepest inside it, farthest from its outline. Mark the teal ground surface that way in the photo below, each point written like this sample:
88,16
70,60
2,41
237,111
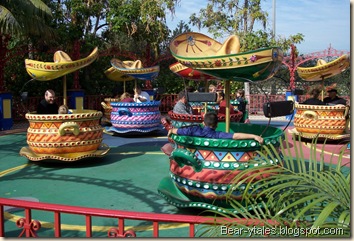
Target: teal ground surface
125,179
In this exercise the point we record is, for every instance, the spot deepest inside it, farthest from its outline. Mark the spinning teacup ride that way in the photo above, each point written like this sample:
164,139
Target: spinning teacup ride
133,117
322,121
64,137
115,75
201,169
198,107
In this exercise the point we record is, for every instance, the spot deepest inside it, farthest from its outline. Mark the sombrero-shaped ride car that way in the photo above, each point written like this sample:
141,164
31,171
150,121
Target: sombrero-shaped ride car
133,117
201,169
225,61
64,137
324,121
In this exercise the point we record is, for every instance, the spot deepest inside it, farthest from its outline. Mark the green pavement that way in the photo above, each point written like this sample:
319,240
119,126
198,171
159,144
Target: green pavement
125,179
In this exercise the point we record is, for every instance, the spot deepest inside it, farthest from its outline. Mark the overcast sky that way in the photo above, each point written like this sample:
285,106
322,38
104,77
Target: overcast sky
323,23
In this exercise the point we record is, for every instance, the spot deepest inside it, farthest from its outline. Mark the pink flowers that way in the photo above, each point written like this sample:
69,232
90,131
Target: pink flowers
217,63
253,58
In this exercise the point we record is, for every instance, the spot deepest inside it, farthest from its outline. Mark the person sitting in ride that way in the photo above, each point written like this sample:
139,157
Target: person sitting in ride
222,104
208,131
240,97
333,99
219,85
182,106
140,96
315,93
125,97
48,105
212,88
63,109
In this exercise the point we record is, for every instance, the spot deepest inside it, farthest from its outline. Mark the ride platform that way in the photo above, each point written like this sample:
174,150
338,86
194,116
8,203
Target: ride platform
126,178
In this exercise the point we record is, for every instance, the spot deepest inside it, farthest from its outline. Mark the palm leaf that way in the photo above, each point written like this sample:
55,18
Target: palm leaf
25,17
295,191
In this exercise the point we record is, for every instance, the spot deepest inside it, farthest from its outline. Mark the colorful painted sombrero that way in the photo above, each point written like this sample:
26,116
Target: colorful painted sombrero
135,69
116,75
61,66
224,61
324,70
189,73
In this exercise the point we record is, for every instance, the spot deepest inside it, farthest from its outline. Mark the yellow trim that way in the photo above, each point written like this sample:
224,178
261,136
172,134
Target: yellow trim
3,173
79,103
6,106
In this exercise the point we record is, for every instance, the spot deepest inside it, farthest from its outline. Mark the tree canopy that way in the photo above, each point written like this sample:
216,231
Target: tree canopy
124,29
24,17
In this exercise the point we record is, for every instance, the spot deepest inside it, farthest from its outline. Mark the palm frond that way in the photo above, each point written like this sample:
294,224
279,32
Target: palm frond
293,192
25,17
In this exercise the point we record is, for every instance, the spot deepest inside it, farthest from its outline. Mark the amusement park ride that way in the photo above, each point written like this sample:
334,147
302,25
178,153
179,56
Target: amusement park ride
131,117
64,137
201,169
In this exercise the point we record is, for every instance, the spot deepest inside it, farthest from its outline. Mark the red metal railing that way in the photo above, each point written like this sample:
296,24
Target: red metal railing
31,226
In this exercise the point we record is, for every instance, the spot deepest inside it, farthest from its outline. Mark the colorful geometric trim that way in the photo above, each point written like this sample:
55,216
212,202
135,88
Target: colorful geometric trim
133,104
101,151
60,117
207,185
220,143
227,165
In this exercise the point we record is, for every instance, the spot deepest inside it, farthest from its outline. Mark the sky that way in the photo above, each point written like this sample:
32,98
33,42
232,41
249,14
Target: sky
323,23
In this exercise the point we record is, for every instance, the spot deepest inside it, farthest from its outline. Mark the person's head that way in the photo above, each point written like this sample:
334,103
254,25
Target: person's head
182,96
332,93
240,93
190,89
221,96
63,109
125,95
137,89
315,93
212,88
49,96
211,120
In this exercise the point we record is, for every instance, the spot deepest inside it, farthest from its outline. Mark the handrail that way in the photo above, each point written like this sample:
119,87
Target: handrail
31,226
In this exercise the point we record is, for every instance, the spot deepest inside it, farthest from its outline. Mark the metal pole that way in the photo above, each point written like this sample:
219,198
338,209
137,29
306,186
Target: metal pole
274,19
64,90
227,111
247,92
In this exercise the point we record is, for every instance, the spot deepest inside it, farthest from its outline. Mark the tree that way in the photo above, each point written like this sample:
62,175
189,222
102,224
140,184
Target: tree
222,17
227,17
24,17
143,23
20,19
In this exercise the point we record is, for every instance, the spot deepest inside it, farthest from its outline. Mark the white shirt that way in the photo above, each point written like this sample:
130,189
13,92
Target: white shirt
143,95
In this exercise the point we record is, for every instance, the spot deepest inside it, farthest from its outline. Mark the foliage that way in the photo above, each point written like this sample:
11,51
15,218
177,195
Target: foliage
21,18
127,30
143,23
229,17
307,196
224,18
